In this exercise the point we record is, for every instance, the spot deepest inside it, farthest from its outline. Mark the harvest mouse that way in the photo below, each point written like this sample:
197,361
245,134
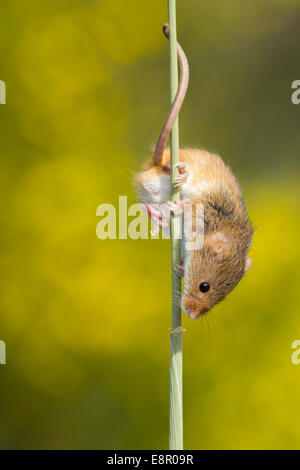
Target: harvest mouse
212,271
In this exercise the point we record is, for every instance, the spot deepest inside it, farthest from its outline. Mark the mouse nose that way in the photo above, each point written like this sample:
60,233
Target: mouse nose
190,308
193,308
194,314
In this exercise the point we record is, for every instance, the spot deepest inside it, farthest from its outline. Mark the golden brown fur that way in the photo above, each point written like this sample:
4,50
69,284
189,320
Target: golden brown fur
222,261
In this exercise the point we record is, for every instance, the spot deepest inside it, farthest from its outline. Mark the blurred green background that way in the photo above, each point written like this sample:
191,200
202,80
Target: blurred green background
86,321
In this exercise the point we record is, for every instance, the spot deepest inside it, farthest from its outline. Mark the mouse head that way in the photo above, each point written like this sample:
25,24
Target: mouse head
212,272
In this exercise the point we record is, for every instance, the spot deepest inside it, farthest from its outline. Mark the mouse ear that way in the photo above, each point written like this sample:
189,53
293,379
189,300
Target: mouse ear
247,265
221,243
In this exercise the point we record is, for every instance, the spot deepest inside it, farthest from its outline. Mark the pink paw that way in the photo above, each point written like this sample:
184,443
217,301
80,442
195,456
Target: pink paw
158,217
183,174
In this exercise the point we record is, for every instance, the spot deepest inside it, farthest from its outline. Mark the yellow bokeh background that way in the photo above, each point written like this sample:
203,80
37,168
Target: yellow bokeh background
85,321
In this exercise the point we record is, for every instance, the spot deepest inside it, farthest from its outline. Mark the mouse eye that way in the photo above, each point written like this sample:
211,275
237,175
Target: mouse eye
204,286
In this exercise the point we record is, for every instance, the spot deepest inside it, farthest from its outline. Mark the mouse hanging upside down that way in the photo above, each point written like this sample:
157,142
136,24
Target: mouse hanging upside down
211,272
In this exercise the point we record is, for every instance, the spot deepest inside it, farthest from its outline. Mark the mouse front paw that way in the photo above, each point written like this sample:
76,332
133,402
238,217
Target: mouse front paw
183,174
179,269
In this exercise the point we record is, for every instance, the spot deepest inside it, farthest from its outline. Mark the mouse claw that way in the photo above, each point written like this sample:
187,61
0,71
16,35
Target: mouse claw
158,217
183,174
181,167
151,211
176,207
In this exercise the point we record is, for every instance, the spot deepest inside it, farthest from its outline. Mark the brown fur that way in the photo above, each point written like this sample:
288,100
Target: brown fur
223,271
227,230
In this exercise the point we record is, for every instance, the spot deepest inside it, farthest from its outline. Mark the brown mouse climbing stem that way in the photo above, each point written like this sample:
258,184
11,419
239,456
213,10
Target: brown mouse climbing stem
219,260
183,85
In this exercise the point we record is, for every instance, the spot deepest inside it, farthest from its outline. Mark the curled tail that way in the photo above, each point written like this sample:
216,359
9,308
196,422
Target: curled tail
182,88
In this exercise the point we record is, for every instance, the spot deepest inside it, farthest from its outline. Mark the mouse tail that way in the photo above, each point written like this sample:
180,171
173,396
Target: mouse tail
182,89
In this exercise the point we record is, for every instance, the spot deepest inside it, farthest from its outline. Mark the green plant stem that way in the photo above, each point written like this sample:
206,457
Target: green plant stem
175,423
